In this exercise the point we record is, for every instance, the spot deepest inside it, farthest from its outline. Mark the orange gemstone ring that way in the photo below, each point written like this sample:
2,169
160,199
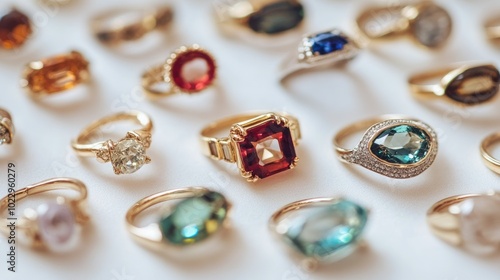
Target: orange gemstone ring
55,74
260,144
187,70
128,154
6,128
15,29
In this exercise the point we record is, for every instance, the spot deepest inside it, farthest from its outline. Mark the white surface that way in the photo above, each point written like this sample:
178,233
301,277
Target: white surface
401,246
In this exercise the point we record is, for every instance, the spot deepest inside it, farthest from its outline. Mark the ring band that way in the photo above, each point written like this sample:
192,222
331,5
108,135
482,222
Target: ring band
53,226
394,146
111,27
180,73
470,221
199,214
328,47
492,163
492,28
260,144
468,84
55,74
7,130
128,154
311,228
428,24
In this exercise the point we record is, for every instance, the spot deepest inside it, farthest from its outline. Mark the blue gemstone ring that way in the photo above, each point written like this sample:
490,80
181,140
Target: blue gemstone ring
330,47
394,146
320,229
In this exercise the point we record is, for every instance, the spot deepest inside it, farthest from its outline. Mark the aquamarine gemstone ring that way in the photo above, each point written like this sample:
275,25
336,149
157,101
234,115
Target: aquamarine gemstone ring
395,146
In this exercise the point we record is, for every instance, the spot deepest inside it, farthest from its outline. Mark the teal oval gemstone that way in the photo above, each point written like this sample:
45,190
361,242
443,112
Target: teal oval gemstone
194,219
402,144
277,17
327,231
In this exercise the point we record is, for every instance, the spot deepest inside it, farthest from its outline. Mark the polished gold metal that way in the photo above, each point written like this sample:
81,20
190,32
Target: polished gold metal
363,156
113,27
492,163
26,225
7,129
492,28
84,144
226,149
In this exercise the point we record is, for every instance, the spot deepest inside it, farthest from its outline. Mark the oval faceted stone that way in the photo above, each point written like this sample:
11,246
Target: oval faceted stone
325,43
277,17
474,85
327,231
402,144
194,219
432,26
15,29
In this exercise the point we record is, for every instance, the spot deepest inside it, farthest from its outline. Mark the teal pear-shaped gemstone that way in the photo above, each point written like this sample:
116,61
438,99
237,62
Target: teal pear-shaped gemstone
402,144
195,219
328,231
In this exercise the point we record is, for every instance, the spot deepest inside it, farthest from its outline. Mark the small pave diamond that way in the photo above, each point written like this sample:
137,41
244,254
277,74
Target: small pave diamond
128,156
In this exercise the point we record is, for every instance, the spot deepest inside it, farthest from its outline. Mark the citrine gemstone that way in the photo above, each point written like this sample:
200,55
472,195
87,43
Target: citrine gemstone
401,144
195,219
327,231
15,29
432,26
277,17
193,70
474,85
56,74
267,149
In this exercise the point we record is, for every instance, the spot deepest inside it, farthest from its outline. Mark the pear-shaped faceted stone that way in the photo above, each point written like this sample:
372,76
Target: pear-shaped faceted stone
327,231
277,17
194,219
474,85
402,144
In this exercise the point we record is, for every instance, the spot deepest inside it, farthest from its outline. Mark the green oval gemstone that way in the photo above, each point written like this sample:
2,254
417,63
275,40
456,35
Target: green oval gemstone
194,219
327,231
277,17
402,144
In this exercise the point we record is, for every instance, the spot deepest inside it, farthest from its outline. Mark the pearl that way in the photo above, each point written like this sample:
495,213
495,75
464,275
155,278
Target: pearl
57,226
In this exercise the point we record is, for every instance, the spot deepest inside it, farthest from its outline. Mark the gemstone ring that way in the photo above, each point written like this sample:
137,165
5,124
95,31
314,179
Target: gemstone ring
260,144
331,47
187,70
394,146
6,128
320,229
427,23
128,154
471,221
467,84
491,162
15,29
55,226
130,24
199,214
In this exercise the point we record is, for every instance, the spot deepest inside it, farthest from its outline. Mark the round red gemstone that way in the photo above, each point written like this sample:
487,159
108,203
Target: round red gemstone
193,70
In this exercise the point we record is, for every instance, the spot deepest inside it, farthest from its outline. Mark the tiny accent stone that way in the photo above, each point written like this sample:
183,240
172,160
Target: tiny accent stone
433,25
15,29
128,156
277,17
193,71
474,85
326,43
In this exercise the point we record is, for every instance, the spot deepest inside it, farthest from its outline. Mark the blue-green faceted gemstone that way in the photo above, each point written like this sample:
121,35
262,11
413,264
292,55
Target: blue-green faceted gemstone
327,232
194,219
402,144
277,17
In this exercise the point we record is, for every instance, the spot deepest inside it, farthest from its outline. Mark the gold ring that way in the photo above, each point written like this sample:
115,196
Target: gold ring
128,154
262,22
320,229
492,163
130,24
492,28
260,144
427,23
55,74
6,128
393,145
187,70
198,215
328,47
15,29
470,221
467,84
55,225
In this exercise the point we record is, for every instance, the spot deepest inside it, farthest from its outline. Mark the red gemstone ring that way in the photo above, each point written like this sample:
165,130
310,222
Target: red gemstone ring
261,144
187,70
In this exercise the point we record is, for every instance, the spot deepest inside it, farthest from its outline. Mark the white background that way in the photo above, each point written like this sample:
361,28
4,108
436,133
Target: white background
401,246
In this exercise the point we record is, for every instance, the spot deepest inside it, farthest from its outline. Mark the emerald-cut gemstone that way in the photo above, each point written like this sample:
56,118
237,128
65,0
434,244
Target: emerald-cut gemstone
327,231
402,144
194,219
277,17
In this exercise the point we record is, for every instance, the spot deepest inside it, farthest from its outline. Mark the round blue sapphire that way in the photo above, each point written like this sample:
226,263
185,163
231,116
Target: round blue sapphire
325,43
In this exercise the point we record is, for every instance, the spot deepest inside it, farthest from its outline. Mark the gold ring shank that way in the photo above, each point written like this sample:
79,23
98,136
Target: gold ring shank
419,83
492,28
152,81
492,163
297,205
83,148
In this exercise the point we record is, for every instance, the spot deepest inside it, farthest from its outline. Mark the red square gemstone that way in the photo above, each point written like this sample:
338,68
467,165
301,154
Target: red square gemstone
267,149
